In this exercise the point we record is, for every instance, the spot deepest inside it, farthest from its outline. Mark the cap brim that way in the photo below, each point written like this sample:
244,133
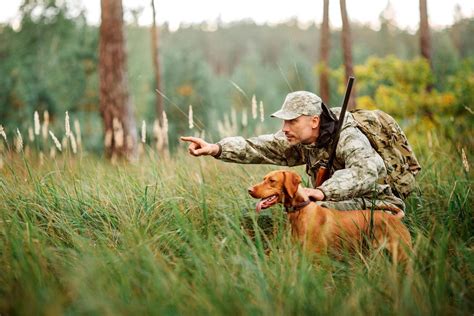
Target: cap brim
284,115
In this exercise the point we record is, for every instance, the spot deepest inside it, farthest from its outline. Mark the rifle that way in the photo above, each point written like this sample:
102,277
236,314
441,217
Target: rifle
324,169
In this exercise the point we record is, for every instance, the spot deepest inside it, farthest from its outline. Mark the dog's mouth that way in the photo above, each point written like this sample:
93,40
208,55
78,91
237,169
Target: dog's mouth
266,202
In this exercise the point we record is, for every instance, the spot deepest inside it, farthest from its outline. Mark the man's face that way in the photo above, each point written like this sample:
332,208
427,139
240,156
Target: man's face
303,129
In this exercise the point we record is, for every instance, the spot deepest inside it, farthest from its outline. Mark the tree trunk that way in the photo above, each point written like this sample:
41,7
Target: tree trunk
425,42
115,106
324,55
156,65
347,51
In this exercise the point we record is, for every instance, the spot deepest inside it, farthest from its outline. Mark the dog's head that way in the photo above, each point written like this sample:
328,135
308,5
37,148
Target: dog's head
277,187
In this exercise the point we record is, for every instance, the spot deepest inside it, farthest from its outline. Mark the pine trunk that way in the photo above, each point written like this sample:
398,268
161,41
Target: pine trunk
156,66
347,51
115,106
324,54
425,41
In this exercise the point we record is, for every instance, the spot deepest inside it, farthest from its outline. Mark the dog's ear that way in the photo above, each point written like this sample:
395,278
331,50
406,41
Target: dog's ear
291,183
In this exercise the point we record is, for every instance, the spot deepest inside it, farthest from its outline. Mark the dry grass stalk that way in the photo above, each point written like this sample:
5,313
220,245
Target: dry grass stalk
37,123
31,135
56,141
73,142
190,117
158,134
465,162
226,128
18,141
1,163
41,158
52,152
45,124
67,125
77,130
165,129
3,134
143,132
254,107
244,118
64,141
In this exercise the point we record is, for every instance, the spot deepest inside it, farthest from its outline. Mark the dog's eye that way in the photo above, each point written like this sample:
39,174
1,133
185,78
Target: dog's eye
272,180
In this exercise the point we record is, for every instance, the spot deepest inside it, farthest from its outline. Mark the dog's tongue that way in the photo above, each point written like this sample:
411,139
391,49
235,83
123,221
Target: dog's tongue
262,204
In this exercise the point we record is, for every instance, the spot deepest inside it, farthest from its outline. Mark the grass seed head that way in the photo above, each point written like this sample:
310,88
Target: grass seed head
254,107
3,134
56,141
37,123
143,131
18,141
190,117
31,135
45,124
73,143
244,118
52,152
465,162
77,130
67,125
262,114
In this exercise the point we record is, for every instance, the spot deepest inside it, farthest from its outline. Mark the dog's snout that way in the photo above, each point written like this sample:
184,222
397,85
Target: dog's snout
251,191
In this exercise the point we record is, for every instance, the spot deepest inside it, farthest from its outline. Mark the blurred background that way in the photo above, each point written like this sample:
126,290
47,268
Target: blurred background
228,59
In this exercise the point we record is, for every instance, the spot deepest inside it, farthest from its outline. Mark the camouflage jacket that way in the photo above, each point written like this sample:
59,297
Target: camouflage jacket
358,169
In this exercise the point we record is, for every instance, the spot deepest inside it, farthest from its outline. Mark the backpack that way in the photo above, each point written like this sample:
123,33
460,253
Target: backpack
388,139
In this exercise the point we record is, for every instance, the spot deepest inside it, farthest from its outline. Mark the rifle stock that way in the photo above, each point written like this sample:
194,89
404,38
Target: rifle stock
322,175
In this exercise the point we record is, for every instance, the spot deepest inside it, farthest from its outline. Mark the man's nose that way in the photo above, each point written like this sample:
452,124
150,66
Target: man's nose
285,127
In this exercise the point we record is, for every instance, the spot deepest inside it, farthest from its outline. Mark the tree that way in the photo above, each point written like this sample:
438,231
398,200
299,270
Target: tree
425,41
156,65
324,54
115,105
347,51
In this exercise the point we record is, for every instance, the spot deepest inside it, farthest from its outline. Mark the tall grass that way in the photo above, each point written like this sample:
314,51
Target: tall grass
168,237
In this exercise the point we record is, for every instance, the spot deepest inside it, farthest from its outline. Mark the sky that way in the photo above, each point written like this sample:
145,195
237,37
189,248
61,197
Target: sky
175,12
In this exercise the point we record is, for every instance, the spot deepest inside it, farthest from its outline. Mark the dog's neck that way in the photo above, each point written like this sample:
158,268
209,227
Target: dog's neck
299,201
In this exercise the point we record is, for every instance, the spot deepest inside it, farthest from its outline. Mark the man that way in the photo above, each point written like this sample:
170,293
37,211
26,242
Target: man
357,181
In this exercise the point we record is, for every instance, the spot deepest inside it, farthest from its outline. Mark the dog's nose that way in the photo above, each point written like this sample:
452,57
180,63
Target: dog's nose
250,190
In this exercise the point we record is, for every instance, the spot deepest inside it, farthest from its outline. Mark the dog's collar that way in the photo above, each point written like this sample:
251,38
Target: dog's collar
297,207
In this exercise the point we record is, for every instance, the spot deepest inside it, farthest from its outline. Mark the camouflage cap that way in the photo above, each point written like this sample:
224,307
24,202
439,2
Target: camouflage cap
299,103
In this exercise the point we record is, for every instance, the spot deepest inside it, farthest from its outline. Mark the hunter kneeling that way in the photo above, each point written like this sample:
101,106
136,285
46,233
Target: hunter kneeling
358,174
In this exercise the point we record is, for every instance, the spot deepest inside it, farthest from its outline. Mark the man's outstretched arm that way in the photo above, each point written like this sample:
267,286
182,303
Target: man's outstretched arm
199,147
265,149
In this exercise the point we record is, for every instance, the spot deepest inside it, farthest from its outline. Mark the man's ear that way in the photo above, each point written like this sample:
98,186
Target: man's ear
292,181
315,121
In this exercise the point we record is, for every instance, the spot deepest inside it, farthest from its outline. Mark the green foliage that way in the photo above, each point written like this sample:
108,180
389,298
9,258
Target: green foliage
188,84
50,64
400,88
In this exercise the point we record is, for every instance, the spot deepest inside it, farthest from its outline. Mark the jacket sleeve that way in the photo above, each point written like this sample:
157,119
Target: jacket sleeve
265,149
363,167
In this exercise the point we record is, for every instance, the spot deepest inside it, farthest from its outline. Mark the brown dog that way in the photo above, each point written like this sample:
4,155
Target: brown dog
321,229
